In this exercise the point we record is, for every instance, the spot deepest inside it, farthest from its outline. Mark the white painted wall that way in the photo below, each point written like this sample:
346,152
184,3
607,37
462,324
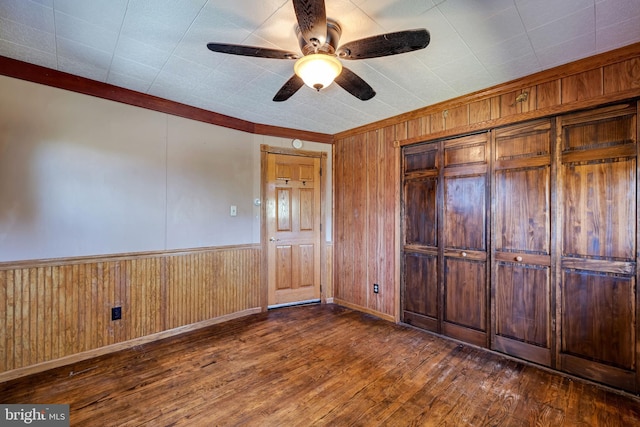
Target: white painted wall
85,176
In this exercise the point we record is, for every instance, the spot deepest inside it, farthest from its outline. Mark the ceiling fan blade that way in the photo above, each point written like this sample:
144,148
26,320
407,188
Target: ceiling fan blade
312,20
260,52
288,89
352,83
385,44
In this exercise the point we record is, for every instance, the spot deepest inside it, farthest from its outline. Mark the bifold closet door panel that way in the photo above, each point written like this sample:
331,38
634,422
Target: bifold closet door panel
465,252
465,239
598,280
521,285
421,206
421,290
598,283
522,303
598,319
465,291
465,212
420,295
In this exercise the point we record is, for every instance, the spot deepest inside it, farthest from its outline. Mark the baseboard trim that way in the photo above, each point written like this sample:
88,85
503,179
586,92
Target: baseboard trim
357,307
67,360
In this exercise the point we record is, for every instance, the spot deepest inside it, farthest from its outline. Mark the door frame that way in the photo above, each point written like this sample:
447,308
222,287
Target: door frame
265,150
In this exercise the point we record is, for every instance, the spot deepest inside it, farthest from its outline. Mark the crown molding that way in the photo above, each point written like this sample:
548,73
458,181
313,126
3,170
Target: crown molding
37,74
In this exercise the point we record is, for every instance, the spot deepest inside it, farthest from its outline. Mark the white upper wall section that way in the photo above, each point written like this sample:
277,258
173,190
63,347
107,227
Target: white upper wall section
85,176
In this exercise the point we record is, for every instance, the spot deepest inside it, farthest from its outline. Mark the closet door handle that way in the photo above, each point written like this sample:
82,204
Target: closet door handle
519,258
464,254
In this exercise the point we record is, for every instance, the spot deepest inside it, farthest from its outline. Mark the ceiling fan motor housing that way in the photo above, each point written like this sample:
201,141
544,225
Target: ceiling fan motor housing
329,45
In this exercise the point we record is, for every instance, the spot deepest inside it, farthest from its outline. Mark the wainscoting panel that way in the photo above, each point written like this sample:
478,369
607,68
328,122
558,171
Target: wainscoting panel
232,284
58,308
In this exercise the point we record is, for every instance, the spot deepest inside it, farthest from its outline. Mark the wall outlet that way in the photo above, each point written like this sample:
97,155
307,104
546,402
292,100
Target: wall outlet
116,313
376,288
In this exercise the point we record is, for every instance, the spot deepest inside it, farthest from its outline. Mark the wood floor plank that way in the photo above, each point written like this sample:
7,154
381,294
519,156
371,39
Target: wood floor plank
317,365
399,384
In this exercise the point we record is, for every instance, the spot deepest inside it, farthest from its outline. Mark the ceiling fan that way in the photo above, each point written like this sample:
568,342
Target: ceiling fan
319,64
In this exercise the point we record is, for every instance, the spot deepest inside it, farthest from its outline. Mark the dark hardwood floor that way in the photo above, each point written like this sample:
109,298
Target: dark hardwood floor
317,365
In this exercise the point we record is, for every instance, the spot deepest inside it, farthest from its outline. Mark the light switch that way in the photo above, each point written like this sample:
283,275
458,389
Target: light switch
233,211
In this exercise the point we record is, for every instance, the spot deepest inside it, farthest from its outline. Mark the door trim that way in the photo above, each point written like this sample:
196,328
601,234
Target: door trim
265,150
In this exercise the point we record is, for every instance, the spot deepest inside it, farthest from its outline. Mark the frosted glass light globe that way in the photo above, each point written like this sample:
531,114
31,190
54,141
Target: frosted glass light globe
318,70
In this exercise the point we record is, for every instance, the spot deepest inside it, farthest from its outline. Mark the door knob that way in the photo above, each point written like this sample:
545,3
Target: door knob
519,258
272,239
464,254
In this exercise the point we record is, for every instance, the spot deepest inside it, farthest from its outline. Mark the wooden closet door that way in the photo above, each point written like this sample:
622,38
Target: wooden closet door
598,295
420,251
464,223
521,291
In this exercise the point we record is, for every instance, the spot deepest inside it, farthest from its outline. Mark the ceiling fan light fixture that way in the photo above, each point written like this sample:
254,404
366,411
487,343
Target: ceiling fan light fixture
318,70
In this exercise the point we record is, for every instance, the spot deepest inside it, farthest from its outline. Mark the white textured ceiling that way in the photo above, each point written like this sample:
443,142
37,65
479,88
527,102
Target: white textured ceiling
158,47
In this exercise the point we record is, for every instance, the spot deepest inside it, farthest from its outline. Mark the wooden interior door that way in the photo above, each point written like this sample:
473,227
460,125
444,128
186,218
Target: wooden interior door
522,242
465,211
293,212
598,294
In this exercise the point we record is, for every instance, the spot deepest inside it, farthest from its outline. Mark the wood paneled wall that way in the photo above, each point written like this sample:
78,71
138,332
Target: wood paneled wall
366,216
602,79
327,274
365,222
59,308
